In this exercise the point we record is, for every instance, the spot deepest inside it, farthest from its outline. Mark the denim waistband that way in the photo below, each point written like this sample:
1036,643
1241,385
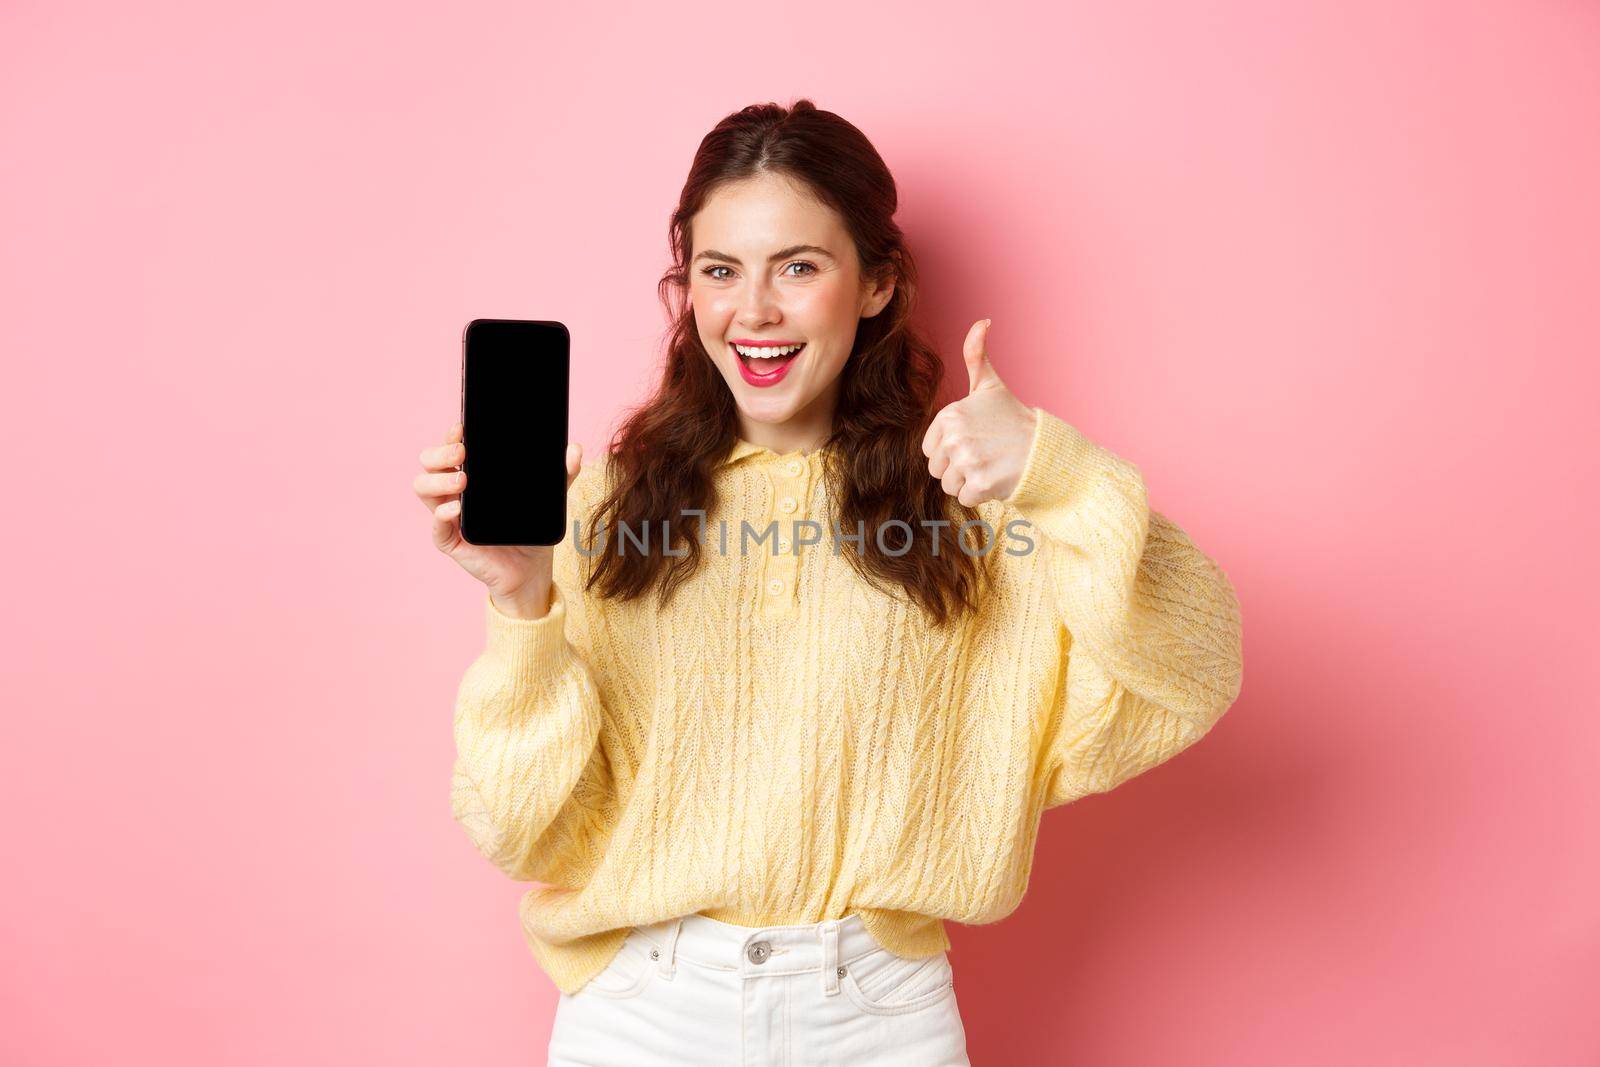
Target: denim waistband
761,951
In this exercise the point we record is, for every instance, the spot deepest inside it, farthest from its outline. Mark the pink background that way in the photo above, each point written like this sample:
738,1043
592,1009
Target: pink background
1326,271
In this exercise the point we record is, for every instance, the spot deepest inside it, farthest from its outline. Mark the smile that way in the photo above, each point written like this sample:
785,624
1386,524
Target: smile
766,370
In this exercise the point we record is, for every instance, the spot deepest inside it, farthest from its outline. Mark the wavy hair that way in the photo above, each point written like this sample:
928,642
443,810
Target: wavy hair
665,453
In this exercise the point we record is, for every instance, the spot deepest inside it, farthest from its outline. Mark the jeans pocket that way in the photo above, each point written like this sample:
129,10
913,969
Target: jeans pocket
629,971
882,983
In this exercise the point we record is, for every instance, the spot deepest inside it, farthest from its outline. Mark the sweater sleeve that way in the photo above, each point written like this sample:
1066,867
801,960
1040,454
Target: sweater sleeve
1152,624
532,783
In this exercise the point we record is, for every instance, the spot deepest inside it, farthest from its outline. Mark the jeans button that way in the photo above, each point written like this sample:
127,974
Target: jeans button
759,952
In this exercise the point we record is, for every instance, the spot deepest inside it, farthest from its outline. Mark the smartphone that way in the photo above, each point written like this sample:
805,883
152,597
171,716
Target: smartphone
514,377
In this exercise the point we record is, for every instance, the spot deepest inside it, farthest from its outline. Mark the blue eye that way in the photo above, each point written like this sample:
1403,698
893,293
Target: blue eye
709,271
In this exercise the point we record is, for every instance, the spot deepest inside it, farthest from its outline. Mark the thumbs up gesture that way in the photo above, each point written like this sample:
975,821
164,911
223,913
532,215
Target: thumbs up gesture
977,445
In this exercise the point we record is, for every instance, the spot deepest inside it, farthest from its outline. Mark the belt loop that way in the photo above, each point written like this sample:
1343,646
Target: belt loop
830,957
669,955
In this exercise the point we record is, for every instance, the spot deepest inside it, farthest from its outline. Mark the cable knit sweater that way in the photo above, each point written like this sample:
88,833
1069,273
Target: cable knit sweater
787,744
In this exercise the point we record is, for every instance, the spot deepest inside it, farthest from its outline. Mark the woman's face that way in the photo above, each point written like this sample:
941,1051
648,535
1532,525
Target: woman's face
771,264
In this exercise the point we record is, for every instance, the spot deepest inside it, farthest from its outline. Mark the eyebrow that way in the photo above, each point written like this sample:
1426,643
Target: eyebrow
792,250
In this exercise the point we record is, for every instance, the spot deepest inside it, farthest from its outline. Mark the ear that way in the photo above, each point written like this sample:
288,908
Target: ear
880,295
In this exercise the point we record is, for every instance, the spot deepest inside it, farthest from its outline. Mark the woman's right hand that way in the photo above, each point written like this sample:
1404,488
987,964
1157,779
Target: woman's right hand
518,576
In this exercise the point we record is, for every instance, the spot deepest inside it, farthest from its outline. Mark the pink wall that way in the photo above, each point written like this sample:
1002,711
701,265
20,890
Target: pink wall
1325,271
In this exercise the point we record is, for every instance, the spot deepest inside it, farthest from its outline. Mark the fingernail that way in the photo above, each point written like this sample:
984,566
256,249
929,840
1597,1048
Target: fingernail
986,323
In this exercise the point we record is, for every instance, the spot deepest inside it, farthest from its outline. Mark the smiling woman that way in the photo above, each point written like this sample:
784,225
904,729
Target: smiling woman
785,253
784,318
822,301
755,797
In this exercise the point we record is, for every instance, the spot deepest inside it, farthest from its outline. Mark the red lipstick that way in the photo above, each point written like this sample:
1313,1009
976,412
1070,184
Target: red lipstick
774,376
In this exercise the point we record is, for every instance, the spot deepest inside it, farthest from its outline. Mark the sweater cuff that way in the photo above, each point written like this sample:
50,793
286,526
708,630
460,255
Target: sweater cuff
534,649
1061,464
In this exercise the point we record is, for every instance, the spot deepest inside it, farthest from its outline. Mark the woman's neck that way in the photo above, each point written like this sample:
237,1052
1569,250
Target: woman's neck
804,432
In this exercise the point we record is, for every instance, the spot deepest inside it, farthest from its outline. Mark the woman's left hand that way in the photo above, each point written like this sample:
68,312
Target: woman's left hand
977,445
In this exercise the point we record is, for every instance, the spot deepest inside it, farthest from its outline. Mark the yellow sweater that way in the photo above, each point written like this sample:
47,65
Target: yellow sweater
786,744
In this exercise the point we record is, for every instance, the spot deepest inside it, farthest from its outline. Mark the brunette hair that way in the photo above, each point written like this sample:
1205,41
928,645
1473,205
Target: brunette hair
664,455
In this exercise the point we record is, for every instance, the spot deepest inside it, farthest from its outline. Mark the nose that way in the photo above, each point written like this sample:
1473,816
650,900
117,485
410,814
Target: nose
757,308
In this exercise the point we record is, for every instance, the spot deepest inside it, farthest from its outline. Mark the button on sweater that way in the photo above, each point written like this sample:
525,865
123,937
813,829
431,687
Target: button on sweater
785,743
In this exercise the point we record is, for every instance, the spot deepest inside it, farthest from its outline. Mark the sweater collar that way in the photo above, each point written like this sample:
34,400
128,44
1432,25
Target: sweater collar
743,449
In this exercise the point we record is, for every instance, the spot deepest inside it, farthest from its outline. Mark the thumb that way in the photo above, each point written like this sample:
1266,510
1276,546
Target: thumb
574,461
980,371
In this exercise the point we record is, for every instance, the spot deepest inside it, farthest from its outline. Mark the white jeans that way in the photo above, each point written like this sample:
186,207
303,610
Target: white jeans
695,991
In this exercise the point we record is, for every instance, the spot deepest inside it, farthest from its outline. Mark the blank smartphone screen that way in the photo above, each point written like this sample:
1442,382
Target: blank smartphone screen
514,375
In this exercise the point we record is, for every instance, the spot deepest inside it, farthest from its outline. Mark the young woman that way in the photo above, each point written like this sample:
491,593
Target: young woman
817,651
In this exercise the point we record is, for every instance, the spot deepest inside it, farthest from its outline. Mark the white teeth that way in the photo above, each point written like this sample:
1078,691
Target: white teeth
766,352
